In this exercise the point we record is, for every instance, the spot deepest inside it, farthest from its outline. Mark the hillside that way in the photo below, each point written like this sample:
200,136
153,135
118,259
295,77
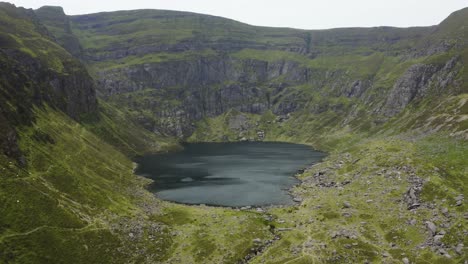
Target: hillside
49,161
80,96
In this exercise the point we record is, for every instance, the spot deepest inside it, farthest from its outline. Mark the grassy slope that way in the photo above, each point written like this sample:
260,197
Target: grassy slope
20,32
108,33
59,25
144,27
73,186
114,126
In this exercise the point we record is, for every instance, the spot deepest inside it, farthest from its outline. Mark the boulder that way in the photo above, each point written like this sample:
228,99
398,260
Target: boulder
297,200
438,239
445,212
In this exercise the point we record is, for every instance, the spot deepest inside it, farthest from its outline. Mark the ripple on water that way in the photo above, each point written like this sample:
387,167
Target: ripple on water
228,174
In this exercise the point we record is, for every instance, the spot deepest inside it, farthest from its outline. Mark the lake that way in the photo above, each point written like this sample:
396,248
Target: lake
228,174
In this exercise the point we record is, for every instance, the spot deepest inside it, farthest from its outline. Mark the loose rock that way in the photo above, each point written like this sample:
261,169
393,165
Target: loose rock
437,239
297,200
459,249
459,197
445,212
431,227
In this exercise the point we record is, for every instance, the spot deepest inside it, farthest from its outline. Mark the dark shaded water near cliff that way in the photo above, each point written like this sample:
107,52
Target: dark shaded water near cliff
228,174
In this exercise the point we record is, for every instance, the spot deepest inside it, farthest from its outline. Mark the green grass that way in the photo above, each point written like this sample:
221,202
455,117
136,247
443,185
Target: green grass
364,66
143,27
116,127
19,31
212,235
152,58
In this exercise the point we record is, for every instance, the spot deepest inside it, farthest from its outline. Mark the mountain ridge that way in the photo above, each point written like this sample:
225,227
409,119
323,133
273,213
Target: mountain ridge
215,52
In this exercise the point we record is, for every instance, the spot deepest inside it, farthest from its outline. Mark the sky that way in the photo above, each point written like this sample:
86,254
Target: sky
304,14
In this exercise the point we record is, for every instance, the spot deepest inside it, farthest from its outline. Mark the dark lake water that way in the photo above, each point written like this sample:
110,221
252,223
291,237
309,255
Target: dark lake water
228,174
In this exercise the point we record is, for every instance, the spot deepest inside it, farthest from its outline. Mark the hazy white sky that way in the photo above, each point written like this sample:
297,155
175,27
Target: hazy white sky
306,14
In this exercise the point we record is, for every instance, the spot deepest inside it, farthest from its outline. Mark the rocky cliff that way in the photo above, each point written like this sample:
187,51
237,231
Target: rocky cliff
172,69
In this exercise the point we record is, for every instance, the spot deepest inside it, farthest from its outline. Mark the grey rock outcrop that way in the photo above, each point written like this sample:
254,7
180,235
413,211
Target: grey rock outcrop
416,82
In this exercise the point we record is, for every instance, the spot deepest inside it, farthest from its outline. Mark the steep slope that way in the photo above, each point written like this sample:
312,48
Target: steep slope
173,69
59,25
36,70
50,192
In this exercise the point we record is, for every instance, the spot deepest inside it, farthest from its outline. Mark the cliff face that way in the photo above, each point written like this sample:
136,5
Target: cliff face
417,82
36,70
172,69
186,91
179,93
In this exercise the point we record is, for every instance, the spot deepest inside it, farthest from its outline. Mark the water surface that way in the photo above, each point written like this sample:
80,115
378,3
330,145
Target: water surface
228,174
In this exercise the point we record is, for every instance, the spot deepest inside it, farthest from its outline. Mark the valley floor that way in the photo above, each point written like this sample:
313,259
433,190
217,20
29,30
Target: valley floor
394,200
